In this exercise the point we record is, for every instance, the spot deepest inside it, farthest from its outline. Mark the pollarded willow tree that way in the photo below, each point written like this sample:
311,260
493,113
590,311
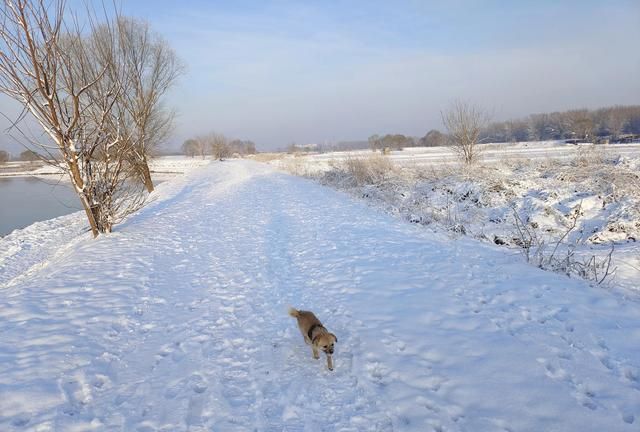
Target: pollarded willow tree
151,69
107,139
96,94
36,71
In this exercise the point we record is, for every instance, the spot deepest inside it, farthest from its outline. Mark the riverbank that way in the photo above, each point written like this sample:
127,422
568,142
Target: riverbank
160,165
34,192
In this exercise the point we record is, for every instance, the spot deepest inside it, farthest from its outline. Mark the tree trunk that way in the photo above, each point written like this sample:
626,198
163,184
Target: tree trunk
76,179
145,174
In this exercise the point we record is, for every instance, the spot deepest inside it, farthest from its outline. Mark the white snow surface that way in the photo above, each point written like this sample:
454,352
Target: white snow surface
161,165
491,153
599,183
178,321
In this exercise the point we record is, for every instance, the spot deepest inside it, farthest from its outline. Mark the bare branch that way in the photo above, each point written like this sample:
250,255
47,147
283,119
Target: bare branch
464,122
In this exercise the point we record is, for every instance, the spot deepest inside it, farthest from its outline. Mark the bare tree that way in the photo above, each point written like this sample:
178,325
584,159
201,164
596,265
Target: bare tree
147,67
433,138
538,127
516,131
464,122
242,147
190,148
4,157
108,138
393,141
202,145
615,121
36,72
375,142
219,146
580,123
50,67
29,156
152,68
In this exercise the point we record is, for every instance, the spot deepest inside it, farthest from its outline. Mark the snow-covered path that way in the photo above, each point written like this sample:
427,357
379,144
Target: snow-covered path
178,321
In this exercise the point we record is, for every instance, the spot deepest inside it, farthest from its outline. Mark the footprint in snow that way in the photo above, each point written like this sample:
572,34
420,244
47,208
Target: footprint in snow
628,418
21,420
602,344
606,362
198,384
99,381
552,371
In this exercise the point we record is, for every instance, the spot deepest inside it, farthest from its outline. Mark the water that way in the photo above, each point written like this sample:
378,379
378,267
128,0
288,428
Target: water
25,200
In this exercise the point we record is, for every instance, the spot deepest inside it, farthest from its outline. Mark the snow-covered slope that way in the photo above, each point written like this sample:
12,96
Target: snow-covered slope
177,321
588,207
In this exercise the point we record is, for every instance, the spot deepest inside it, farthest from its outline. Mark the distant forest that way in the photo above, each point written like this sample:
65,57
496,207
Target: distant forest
588,125
615,124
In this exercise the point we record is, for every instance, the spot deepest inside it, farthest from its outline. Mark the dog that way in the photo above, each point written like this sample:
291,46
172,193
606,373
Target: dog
315,334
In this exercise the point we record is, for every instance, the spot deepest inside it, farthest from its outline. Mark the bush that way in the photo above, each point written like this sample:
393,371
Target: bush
295,165
373,169
4,157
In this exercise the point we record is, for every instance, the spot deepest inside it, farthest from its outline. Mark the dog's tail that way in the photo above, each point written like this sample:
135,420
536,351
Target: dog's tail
294,312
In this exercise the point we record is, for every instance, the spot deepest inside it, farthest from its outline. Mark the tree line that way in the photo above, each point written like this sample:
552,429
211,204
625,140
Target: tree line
612,123
581,124
218,146
96,87
27,156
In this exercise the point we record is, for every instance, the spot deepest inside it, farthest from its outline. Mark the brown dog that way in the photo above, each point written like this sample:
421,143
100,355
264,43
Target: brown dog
315,334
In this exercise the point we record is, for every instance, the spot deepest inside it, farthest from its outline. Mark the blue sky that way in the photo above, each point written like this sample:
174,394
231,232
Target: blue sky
285,71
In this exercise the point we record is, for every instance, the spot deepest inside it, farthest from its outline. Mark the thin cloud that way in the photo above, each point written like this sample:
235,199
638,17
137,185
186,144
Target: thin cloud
281,72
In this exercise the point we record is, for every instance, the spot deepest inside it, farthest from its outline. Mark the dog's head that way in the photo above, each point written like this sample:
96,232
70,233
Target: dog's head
325,342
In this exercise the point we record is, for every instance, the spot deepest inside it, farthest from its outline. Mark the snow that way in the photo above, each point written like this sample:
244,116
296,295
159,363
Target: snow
27,250
598,182
160,165
30,248
178,321
492,153
176,164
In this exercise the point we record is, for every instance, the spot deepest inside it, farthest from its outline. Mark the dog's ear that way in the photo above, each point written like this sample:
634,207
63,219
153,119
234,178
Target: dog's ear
334,336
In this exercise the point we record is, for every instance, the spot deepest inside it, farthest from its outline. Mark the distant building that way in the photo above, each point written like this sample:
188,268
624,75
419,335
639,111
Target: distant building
308,147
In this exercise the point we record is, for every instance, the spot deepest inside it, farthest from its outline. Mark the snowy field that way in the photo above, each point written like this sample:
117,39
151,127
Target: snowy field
178,321
161,165
585,199
490,154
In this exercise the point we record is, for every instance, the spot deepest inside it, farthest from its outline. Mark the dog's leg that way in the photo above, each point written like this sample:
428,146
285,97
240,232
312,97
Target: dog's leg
316,355
330,362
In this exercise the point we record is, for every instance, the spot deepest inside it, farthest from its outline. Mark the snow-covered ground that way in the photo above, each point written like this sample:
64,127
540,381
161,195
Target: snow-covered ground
176,164
161,165
490,154
178,321
599,184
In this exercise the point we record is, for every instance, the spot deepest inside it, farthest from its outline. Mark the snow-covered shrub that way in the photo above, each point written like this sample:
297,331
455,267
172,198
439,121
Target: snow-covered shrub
372,169
295,165
569,213
588,155
558,253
